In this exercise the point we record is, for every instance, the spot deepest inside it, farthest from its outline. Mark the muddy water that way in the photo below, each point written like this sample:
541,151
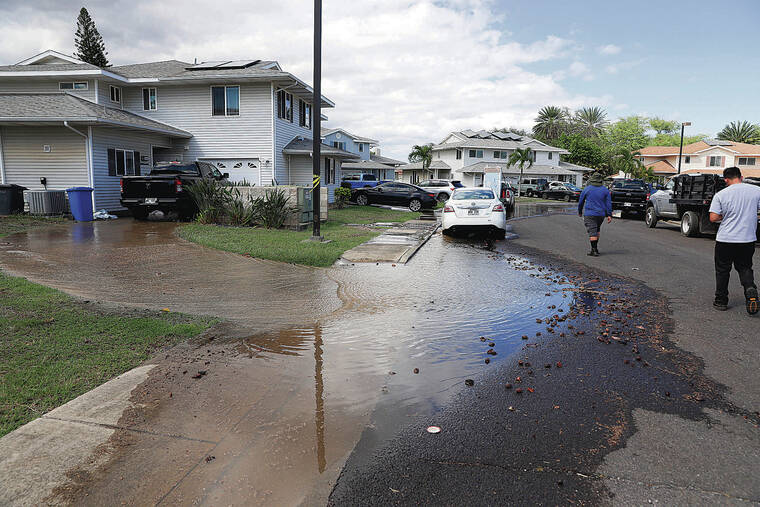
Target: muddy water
525,210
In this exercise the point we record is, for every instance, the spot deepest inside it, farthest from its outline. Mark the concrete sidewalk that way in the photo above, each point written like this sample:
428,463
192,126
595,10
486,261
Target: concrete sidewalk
396,244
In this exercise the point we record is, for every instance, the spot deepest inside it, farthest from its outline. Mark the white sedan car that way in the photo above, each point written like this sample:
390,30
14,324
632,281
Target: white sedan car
474,209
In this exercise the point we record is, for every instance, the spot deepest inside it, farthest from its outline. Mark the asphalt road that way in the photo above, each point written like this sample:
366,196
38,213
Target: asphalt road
680,427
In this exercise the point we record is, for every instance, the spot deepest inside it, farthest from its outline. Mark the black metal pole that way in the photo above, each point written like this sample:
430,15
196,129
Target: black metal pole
316,120
680,150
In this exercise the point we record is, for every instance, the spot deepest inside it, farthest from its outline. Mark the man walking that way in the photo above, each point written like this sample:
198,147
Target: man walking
594,204
736,208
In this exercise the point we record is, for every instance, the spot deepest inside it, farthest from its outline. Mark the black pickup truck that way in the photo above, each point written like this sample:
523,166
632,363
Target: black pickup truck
629,196
165,189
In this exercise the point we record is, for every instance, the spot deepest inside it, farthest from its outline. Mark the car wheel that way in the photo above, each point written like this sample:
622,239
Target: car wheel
500,234
362,200
545,196
650,218
443,197
567,198
690,224
415,205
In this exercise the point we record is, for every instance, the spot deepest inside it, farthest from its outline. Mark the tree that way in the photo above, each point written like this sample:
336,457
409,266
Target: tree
520,157
663,126
741,132
590,121
629,163
674,139
422,153
551,122
628,134
585,151
89,43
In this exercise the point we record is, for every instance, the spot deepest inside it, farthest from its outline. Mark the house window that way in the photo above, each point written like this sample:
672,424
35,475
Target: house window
550,156
496,154
304,114
115,94
73,86
715,161
329,171
746,160
285,105
476,153
123,162
149,99
225,100
534,155
361,149
459,154
339,144
687,160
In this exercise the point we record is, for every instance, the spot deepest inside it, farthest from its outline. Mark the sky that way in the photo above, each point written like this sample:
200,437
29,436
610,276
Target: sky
408,72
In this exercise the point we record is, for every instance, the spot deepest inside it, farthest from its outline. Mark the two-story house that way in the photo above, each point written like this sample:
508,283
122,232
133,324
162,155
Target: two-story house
367,162
464,156
68,123
705,156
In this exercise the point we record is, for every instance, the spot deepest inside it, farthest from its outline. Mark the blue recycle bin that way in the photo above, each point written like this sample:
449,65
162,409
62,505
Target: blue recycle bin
80,202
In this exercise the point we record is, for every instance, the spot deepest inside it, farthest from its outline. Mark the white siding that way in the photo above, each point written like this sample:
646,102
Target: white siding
301,174
188,107
36,85
285,131
25,161
107,187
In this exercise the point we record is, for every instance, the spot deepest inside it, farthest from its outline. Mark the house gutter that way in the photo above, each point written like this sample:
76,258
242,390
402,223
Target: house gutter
88,157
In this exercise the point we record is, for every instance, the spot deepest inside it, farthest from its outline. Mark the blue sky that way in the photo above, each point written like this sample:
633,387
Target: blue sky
666,54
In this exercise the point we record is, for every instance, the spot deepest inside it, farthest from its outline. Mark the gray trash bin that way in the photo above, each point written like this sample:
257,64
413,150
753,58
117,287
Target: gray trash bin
11,199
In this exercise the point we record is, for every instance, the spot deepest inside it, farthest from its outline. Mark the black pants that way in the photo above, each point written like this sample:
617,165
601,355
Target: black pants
738,255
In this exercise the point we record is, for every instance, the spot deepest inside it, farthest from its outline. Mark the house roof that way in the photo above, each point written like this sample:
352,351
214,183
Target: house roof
49,56
435,164
365,164
661,167
48,67
699,146
57,107
303,146
566,169
495,139
327,132
386,160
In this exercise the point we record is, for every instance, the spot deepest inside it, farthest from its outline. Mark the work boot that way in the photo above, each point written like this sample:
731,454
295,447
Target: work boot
720,304
752,300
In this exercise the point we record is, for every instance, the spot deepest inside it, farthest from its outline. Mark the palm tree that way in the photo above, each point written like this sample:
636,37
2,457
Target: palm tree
628,163
741,132
590,121
520,157
422,153
551,122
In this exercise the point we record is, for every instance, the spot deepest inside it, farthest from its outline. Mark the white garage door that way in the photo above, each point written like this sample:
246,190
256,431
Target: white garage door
240,169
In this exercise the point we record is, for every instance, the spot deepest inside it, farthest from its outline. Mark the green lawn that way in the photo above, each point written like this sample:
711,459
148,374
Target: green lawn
18,223
288,246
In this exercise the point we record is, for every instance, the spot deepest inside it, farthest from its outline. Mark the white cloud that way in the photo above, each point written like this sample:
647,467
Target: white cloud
609,49
404,72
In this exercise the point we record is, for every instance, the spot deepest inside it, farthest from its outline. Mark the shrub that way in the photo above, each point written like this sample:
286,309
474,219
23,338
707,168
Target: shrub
211,198
273,209
237,211
342,196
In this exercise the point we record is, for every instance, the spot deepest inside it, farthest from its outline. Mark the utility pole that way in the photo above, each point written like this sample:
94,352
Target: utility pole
680,150
316,120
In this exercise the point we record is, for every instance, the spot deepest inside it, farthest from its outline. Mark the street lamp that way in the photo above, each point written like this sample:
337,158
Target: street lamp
316,121
680,150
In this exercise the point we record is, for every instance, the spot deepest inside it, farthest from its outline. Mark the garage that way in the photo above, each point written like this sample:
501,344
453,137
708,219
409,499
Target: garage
239,169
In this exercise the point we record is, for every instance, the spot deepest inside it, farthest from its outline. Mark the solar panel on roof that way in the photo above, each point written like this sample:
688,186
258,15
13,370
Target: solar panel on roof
238,64
717,142
207,65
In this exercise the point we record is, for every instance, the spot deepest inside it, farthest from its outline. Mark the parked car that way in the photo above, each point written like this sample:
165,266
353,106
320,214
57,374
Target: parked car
629,196
441,188
165,189
508,193
360,181
529,186
561,190
397,194
476,209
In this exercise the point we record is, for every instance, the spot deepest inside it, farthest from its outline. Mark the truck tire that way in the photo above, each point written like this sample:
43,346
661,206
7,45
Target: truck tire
650,218
690,224
139,213
361,199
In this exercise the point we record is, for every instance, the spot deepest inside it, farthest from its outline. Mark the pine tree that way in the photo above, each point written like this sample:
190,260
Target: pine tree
89,43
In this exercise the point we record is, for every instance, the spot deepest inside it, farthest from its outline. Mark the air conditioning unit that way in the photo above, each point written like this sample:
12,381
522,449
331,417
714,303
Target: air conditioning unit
46,202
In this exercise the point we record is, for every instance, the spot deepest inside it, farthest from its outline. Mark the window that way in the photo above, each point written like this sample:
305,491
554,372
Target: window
687,160
459,154
123,162
476,153
149,99
225,100
115,94
361,149
329,171
534,155
339,144
285,105
550,155
496,154
746,160
715,161
304,114
73,86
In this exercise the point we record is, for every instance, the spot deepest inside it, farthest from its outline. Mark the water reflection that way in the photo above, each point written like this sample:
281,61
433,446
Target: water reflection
319,413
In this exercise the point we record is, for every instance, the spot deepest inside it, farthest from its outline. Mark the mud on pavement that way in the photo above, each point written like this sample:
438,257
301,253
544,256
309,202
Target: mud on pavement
536,430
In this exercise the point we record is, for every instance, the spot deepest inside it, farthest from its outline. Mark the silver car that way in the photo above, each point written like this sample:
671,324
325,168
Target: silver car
659,206
441,188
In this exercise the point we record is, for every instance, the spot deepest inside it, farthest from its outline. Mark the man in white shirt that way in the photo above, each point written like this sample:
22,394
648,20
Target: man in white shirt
736,207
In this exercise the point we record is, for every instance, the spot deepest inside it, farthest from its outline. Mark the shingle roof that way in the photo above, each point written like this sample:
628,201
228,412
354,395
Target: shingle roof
386,160
59,107
534,169
435,164
153,69
365,164
327,132
661,167
690,149
46,67
506,144
303,146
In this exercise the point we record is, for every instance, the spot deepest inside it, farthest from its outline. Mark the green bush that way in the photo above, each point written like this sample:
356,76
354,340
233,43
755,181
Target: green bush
211,198
342,196
237,211
273,209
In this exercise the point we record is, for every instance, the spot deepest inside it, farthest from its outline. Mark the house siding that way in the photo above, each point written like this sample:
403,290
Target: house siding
188,107
20,85
285,132
301,174
25,162
352,146
107,192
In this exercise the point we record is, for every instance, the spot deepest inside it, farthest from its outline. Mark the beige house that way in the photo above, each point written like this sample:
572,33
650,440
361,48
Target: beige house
706,156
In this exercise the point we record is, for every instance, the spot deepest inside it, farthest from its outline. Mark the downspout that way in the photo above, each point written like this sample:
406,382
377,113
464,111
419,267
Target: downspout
2,164
88,156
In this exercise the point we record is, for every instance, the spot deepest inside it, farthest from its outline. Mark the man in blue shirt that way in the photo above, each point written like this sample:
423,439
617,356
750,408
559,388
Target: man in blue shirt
735,208
594,204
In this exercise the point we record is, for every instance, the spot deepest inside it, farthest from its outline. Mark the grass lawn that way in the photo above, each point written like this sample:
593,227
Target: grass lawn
19,223
286,246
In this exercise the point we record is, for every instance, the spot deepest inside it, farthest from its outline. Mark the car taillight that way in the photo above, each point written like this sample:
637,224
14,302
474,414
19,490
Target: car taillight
121,186
177,185
498,207
448,209
508,194
648,195
431,195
